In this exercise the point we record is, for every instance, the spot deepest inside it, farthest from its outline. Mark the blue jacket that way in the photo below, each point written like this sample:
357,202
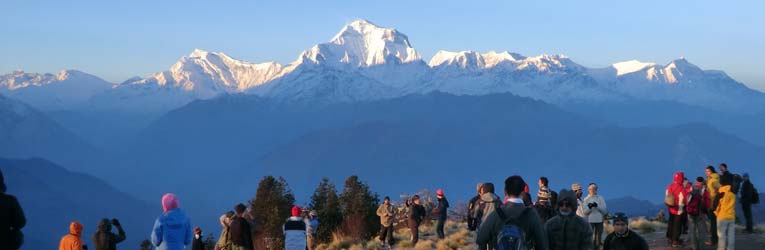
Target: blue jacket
172,231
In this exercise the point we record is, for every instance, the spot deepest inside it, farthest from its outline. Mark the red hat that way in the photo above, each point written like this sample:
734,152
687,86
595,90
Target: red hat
295,211
440,192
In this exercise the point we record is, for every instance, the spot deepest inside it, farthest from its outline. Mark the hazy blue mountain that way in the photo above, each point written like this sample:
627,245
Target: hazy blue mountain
52,197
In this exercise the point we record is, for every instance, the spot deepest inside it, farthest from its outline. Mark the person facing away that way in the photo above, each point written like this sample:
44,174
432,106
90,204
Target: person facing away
104,239
12,219
441,211
73,240
294,231
713,185
386,213
697,205
489,201
172,229
416,216
623,238
577,188
239,229
198,243
311,227
726,215
748,197
473,213
675,199
224,242
595,210
511,217
567,231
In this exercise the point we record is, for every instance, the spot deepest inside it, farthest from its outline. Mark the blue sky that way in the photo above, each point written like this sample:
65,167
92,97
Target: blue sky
117,40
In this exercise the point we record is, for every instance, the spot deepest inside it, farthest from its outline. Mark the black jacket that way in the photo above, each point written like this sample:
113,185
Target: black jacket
104,239
11,216
442,207
416,213
632,241
198,244
240,232
747,192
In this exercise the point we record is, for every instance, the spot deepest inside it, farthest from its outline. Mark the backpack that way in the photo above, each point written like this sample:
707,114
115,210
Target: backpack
512,236
736,185
694,205
669,199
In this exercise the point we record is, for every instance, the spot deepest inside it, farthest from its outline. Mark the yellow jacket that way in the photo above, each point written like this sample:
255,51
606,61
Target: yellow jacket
726,210
713,184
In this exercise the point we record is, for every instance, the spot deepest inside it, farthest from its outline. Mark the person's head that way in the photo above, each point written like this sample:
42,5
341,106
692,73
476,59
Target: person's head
197,231
566,202
105,225
488,187
621,223
295,211
478,188
592,189
745,176
440,193
514,186
543,182
239,209
723,167
577,188
75,228
709,171
699,179
678,178
169,202
416,199
386,200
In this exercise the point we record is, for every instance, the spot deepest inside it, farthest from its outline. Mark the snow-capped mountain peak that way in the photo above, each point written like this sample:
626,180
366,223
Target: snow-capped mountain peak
472,59
626,67
363,44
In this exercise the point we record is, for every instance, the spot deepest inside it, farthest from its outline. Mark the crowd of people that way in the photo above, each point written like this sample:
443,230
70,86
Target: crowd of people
705,210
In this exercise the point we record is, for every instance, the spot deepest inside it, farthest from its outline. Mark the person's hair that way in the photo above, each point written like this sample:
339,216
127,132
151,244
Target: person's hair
710,168
415,197
239,208
488,187
386,198
699,179
544,180
514,185
724,165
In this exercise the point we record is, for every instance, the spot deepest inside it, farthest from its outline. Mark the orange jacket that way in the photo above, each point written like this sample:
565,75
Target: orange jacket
72,241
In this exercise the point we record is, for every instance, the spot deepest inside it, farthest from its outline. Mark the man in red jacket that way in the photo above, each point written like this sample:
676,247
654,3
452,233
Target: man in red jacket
676,198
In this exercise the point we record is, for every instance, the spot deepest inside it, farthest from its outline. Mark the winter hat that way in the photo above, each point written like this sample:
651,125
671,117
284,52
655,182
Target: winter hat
169,202
567,195
440,192
295,211
576,187
75,228
621,217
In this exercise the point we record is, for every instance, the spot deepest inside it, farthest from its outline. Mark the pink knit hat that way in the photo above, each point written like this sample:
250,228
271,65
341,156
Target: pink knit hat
169,202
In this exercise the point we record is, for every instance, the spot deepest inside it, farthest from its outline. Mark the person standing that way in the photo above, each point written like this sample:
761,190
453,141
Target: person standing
311,229
73,240
12,219
416,215
675,200
172,230
239,229
441,211
713,185
473,213
577,188
294,231
198,243
567,231
698,201
595,210
748,197
224,242
104,239
623,238
386,213
489,200
726,215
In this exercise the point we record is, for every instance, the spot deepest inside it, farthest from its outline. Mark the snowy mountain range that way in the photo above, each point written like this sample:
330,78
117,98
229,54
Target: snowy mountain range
366,62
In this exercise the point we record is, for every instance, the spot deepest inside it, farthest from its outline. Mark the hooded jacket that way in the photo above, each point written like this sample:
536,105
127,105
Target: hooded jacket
490,202
104,239
569,232
679,192
172,230
726,210
73,240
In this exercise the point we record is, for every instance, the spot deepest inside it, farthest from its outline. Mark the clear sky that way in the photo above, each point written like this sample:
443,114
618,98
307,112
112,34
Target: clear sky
120,39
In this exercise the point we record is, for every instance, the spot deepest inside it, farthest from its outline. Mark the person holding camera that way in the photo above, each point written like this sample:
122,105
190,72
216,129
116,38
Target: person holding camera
595,210
104,239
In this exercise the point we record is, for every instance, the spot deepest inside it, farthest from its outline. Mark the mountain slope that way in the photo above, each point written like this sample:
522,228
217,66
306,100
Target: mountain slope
66,90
